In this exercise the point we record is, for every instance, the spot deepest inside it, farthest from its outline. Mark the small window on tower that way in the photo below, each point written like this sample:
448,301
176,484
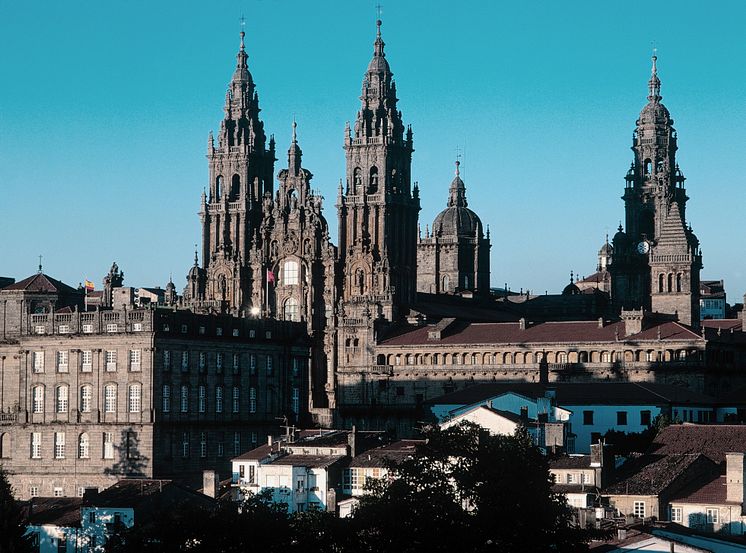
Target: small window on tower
235,187
373,179
218,186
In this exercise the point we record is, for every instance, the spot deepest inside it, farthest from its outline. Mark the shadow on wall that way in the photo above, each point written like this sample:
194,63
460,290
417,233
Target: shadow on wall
131,462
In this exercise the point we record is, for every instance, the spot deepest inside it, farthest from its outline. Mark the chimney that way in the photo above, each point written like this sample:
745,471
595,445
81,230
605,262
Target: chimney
734,477
210,483
633,319
522,323
269,440
524,414
600,322
351,441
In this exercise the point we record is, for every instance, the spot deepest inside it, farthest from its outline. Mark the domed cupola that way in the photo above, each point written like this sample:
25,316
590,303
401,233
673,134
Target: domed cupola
457,219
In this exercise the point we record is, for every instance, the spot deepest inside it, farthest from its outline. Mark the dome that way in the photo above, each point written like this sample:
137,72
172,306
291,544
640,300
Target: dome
193,273
379,65
654,113
571,290
620,238
457,221
606,249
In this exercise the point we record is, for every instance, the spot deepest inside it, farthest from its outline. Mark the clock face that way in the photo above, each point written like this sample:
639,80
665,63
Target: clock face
643,247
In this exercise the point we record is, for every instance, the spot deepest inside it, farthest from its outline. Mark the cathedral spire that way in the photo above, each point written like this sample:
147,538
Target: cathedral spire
654,84
457,191
294,153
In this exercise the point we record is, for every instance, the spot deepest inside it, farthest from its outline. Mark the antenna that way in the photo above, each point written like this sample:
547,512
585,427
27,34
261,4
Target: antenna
40,263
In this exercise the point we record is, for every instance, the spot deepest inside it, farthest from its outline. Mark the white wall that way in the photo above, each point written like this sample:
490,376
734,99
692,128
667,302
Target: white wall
605,419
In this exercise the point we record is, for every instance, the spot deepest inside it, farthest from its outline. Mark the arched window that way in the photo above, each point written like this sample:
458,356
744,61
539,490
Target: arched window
5,449
62,398
678,282
381,359
357,178
670,282
135,398
235,187
660,283
291,310
218,186
86,397
562,357
360,281
37,395
290,272
84,446
648,166
373,179
466,282
236,399
446,284
110,398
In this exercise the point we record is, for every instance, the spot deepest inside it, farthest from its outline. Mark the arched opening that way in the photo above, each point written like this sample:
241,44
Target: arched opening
446,284
235,187
218,187
360,281
84,446
291,311
660,283
5,449
678,282
373,179
357,179
670,282
648,167
381,359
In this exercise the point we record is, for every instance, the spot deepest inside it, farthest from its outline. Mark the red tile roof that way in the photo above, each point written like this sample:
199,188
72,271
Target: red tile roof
570,331
653,474
41,283
725,324
381,457
712,440
713,492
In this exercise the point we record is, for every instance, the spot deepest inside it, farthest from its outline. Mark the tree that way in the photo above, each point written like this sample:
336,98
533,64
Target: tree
13,538
466,490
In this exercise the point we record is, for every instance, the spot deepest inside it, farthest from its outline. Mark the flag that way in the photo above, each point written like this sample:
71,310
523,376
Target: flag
270,276
89,285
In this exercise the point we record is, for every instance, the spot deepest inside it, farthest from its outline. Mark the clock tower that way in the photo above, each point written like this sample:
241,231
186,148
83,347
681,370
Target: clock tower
657,258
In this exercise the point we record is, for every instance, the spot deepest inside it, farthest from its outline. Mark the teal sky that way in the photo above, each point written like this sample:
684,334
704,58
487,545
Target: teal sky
105,108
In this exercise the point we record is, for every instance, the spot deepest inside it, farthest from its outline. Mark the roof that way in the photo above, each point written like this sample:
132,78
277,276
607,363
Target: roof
712,492
148,494
574,488
255,454
652,474
57,511
712,440
571,462
309,461
724,324
580,393
549,332
381,457
41,283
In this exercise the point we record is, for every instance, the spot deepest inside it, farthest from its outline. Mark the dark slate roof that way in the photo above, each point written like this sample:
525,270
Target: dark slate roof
571,462
581,393
473,309
255,454
723,324
381,457
147,494
41,283
652,474
712,492
57,511
712,440
309,461
574,332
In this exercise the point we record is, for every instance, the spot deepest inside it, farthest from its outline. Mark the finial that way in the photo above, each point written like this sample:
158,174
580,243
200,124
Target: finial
196,261
40,264
295,125
243,33
457,167
654,84
378,19
572,276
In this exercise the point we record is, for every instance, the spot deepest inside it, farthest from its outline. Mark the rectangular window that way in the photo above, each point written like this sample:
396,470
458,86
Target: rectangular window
219,362
33,491
202,398
111,361
184,329
86,361
221,444
64,329
585,478
38,399
621,418
218,399
87,329
137,327
86,399
201,330
83,446
677,514
184,399
570,478
38,361
184,360
135,359
166,398
218,331
112,327
185,444
253,440
166,360
269,365
252,400
236,363
62,361
236,399
40,329
36,445
59,445
587,417
252,333
296,366
202,361
639,509
295,401
236,443
62,399
108,445
645,418
203,444
235,333
135,398
712,516
252,363
110,398
58,492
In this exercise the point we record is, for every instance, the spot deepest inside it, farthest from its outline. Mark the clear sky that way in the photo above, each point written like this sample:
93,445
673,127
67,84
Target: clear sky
105,108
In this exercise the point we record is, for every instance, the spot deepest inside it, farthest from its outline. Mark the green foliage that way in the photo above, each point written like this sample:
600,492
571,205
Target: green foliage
12,521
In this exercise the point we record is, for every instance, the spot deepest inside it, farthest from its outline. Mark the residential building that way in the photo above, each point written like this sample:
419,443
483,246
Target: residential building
712,304
90,397
53,524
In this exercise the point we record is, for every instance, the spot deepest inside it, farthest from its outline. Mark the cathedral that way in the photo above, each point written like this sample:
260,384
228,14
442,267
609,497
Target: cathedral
366,303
